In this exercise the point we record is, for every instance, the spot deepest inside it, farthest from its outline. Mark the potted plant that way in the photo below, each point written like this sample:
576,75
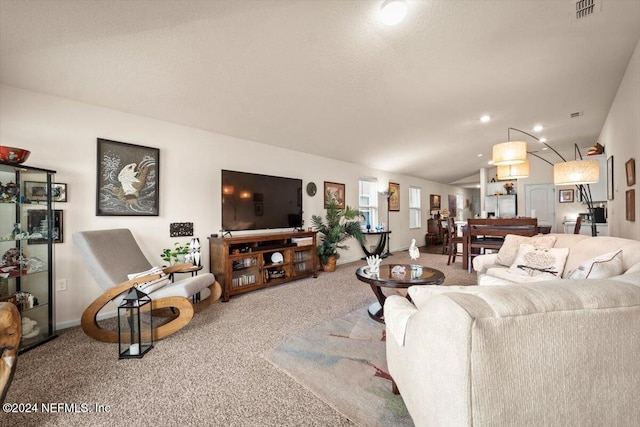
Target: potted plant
341,224
175,255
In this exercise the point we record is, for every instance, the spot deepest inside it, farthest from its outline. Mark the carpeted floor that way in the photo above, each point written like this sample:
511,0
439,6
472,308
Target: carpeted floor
209,373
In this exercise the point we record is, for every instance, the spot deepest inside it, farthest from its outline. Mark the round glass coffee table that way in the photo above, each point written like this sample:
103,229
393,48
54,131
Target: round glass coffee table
399,276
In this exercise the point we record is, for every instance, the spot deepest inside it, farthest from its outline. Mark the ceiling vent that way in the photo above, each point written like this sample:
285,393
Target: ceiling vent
585,8
576,114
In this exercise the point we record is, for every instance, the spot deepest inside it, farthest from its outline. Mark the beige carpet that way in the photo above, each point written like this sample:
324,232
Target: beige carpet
209,373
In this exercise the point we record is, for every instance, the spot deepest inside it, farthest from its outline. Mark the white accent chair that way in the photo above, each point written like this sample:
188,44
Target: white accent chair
111,255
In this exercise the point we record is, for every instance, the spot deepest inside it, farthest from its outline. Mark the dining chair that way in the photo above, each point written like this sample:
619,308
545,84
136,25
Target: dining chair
489,234
452,240
443,234
576,229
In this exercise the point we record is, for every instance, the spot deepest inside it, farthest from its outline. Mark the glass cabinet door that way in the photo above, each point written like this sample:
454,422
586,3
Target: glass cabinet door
245,271
28,228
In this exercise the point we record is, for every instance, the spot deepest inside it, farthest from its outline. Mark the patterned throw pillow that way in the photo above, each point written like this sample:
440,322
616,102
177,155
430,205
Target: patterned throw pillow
600,267
509,249
540,262
152,285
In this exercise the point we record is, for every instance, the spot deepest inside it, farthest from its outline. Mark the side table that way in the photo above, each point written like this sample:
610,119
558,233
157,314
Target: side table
380,247
193,270
195,298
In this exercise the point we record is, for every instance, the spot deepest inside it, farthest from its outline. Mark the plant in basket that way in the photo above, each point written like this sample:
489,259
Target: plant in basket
339,225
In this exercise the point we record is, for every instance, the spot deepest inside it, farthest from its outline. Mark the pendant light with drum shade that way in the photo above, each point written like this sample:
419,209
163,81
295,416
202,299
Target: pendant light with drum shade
513,164
521,170
509,153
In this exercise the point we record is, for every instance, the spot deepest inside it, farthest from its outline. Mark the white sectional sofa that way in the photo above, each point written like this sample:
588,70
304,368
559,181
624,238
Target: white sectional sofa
581,250
555,353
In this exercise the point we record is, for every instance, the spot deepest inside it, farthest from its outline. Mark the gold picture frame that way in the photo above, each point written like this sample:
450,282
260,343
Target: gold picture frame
630,169
435,202
394,197
335,191
630,205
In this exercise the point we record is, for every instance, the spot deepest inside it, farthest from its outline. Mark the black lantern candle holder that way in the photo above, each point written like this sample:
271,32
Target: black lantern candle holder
135,337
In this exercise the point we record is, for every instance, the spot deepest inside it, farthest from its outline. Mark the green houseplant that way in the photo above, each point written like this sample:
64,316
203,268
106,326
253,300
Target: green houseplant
341,224
176,254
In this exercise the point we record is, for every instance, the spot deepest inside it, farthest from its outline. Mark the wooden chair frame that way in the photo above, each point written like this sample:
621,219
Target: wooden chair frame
576,228
111,255
160,307
452,240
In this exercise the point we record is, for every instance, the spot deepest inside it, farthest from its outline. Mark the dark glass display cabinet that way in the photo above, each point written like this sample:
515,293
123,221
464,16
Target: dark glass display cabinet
28,230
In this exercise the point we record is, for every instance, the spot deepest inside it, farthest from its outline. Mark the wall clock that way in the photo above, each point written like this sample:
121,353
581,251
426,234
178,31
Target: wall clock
311,189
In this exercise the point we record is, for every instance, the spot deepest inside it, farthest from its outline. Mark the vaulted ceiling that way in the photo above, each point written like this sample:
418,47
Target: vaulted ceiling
328,78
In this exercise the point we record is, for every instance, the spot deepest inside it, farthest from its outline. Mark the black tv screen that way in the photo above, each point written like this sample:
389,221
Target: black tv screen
251,201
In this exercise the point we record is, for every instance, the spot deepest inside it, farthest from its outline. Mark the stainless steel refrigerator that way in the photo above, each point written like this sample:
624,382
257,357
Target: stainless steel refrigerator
502,206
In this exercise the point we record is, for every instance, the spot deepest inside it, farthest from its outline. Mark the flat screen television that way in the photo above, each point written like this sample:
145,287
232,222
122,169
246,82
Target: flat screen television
252,201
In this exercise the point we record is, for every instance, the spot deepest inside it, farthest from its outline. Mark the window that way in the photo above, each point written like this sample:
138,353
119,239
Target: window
368,201
414,208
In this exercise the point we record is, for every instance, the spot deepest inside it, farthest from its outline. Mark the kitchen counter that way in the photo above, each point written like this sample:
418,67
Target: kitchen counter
602,228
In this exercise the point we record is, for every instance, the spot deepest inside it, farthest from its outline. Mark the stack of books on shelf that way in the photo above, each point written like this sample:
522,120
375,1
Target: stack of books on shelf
244,280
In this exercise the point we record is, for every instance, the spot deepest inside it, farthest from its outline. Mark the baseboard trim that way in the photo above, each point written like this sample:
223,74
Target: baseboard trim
76,322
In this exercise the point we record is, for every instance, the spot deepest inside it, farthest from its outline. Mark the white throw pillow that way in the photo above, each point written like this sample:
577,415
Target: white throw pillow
151,285
509,249
600,267
540,262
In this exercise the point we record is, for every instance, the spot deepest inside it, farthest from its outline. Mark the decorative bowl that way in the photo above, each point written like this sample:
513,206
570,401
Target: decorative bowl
277,258
13,154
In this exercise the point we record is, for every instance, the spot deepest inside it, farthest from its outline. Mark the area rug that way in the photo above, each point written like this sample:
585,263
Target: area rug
343,362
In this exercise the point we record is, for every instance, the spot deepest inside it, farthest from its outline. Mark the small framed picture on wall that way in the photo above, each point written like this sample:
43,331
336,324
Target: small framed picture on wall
334,191
394,196
610,178
630,169
434,202
566,196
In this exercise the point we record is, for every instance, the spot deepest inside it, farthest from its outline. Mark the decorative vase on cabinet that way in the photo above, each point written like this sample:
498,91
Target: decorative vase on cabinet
26,245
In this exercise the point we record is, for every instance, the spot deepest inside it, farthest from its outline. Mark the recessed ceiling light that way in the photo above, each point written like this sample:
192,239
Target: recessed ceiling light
537,128
485,119
490,162
544,148
480,155
543,139
393,12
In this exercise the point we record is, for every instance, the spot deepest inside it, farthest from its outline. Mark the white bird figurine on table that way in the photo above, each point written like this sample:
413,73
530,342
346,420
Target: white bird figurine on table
414,253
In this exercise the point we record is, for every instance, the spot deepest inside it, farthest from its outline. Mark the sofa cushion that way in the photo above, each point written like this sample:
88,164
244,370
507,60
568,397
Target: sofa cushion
631,278
592,247
539,262
503,276
633,269
600,267
491,280
509,249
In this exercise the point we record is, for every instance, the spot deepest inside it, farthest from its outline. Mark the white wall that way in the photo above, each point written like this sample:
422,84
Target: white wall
61,135
621,137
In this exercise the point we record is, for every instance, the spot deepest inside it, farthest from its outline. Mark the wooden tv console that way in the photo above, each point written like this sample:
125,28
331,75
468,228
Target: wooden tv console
246,263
